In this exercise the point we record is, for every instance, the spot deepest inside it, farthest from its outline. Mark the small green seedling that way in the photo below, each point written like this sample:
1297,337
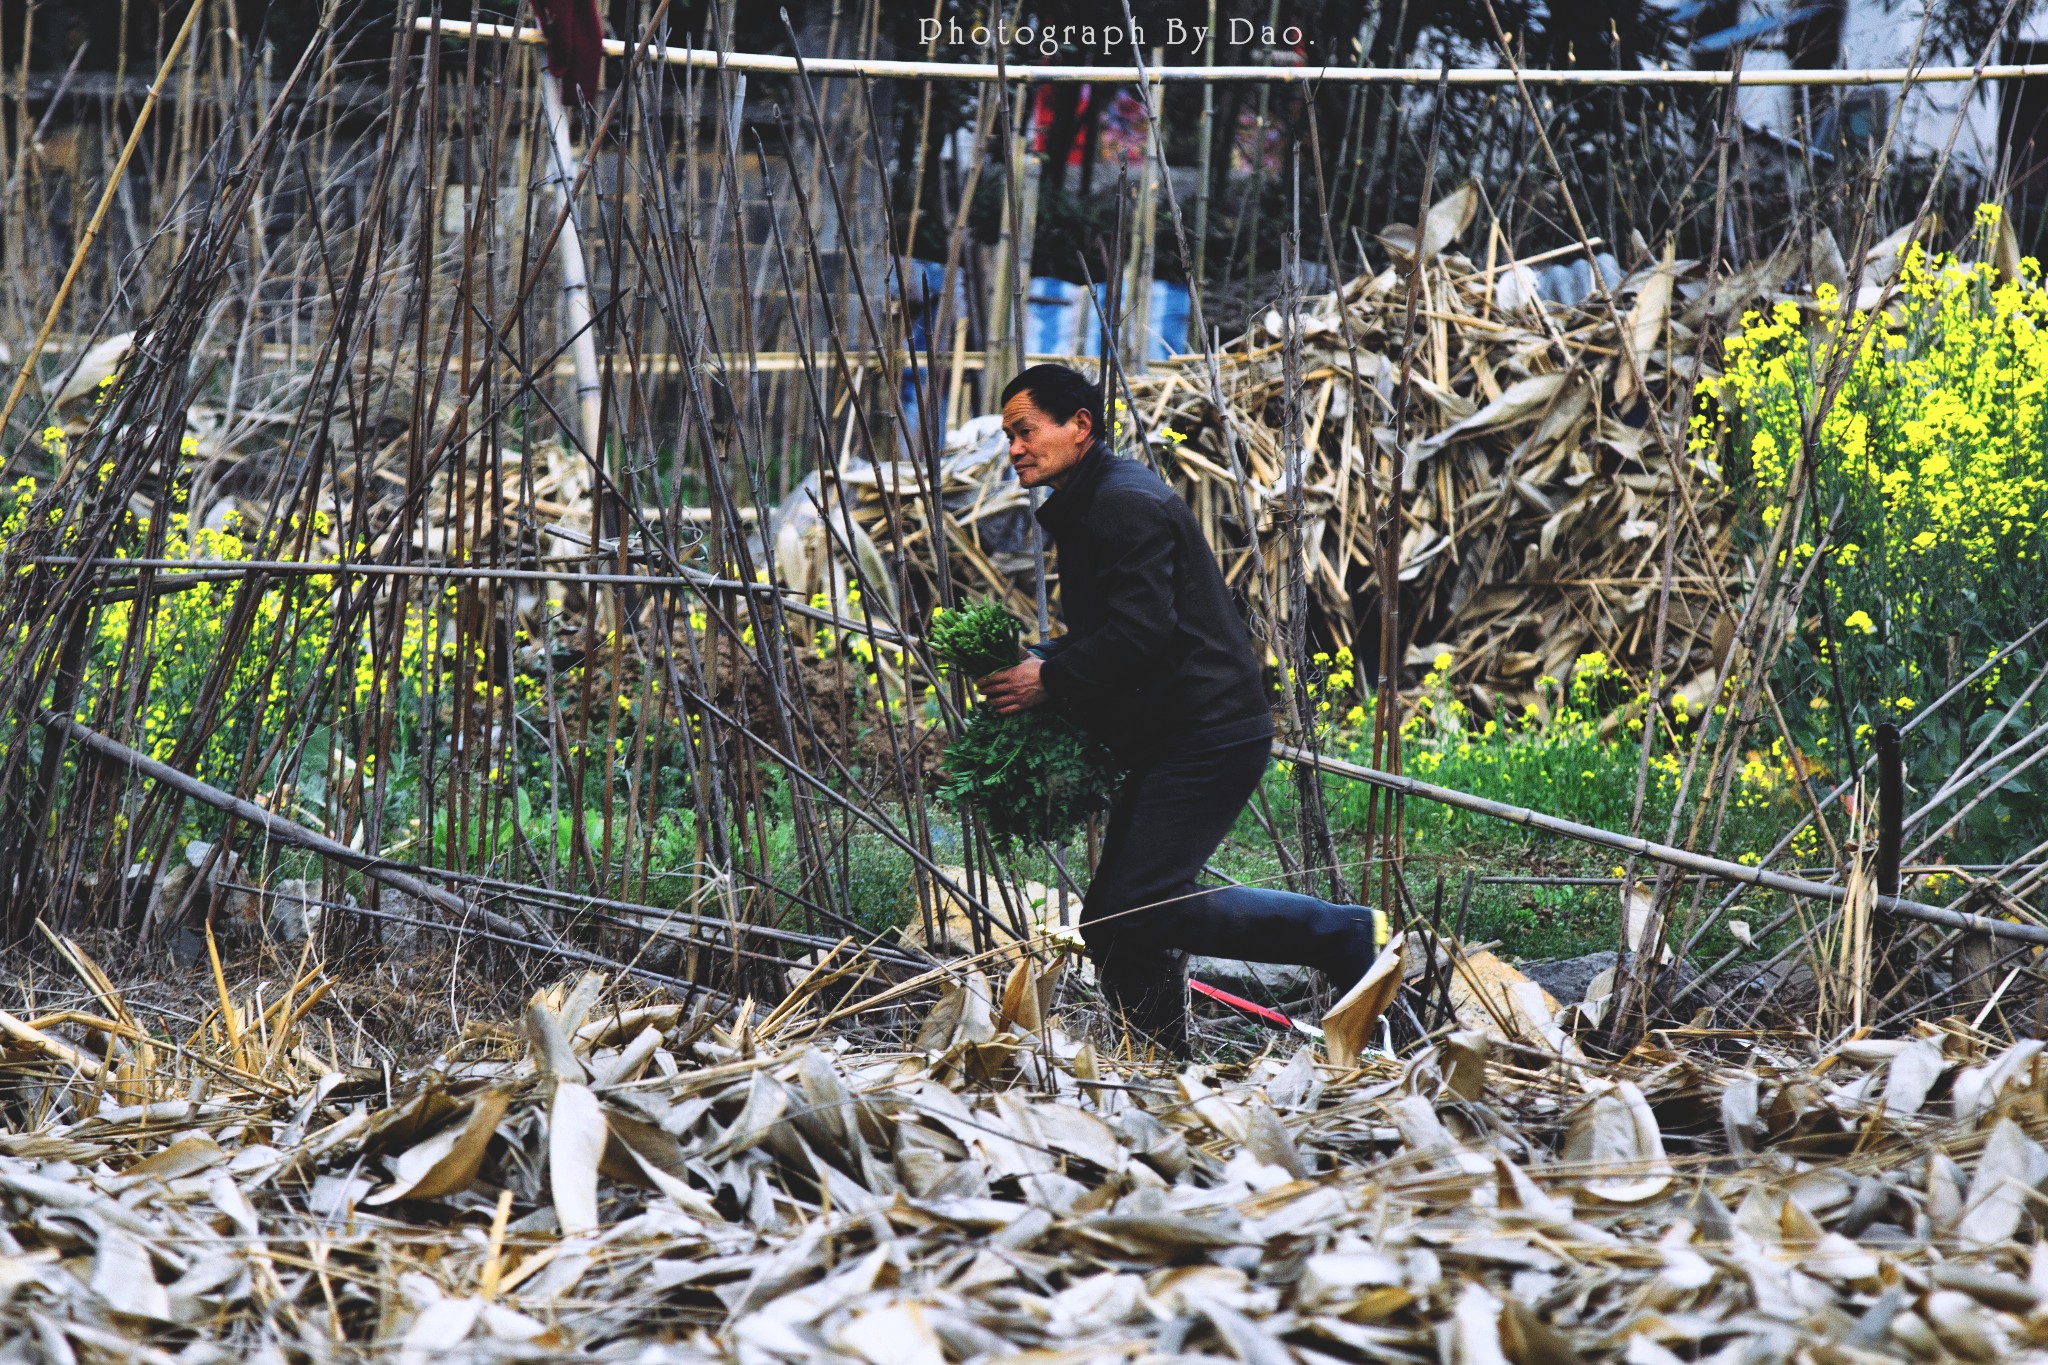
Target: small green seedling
1034,776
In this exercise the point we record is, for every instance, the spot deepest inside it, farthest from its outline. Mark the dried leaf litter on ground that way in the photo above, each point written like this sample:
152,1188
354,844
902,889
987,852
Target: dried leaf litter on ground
640,1183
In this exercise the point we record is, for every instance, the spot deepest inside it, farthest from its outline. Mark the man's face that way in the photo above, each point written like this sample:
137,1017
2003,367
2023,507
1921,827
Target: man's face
1042,450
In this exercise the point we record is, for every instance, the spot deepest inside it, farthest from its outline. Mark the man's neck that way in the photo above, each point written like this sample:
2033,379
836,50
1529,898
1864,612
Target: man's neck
1060,480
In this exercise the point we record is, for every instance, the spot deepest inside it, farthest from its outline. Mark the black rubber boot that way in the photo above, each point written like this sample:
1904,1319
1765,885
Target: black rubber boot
1257,924
1148,993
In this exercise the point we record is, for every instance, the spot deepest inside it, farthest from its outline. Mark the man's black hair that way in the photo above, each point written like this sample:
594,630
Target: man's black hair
1059,392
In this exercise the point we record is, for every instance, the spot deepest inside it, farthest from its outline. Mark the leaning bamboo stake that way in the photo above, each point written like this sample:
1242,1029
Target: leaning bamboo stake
99,216
282,830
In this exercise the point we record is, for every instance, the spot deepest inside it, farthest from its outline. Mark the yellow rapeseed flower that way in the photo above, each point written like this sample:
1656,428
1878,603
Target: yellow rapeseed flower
1935,438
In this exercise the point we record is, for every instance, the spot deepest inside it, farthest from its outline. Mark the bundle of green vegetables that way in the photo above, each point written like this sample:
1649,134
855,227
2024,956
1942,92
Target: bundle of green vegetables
1034,776
976,640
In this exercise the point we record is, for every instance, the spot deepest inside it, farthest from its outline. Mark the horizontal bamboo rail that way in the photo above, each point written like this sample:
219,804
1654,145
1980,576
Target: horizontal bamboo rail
762,362
755,63
229,570
1719,868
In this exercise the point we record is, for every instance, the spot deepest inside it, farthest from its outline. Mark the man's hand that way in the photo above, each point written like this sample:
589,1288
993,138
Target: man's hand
1015,689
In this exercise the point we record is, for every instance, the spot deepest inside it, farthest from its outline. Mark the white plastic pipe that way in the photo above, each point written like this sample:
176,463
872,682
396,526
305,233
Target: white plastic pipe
709,58
575,274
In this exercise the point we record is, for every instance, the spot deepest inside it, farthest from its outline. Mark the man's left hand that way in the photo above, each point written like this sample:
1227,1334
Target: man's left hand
1015,689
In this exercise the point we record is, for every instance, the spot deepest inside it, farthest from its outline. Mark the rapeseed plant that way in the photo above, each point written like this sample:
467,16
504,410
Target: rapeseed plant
1570,753
1573,751
1935,450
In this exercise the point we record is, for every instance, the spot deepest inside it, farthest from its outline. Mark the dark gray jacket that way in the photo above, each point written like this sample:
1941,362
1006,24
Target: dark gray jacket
1155,650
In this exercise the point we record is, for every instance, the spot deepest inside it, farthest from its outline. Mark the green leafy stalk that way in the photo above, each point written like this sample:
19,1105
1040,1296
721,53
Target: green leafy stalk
976,640
1033,776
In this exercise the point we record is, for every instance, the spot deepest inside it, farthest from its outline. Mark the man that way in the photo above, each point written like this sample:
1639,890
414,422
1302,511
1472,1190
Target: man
1156,663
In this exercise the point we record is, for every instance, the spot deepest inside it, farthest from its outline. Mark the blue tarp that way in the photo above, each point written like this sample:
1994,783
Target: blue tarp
1756,28
1064,321
1060,319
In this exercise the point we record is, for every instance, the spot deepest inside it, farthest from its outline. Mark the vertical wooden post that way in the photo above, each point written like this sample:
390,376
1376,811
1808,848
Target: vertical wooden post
1034,175
1205,138
1891,797
997,362
1137,334
1034,171
1881,963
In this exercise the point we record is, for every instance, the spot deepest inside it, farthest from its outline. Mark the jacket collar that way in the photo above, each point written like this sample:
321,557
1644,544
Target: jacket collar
1065,502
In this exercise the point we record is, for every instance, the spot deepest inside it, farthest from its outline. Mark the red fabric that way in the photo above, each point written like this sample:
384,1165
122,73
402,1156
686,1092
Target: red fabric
1274,1017
575,37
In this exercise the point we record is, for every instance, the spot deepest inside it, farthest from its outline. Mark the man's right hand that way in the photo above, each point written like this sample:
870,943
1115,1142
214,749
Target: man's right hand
1016,688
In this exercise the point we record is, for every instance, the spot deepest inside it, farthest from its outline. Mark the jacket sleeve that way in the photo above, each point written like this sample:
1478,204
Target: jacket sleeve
1135,583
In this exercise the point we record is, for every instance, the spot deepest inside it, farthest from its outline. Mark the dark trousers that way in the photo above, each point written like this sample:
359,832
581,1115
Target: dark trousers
1145,913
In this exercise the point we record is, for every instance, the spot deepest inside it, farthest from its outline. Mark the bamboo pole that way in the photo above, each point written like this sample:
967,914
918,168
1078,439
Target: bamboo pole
998,352
1205,140
1719,868
1144,255
1282,75
99,215
276,827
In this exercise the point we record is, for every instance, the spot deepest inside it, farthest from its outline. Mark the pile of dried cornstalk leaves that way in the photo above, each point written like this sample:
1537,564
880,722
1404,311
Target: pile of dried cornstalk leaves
644,1181
1540,480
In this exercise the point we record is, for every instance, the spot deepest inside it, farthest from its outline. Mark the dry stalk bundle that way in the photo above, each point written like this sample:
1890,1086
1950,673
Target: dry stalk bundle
1540,478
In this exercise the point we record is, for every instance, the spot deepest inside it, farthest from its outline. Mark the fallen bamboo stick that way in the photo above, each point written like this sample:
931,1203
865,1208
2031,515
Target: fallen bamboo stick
1719,868
282,830
760,63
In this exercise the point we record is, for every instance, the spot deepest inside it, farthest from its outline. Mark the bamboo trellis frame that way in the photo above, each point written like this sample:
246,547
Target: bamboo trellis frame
649,568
